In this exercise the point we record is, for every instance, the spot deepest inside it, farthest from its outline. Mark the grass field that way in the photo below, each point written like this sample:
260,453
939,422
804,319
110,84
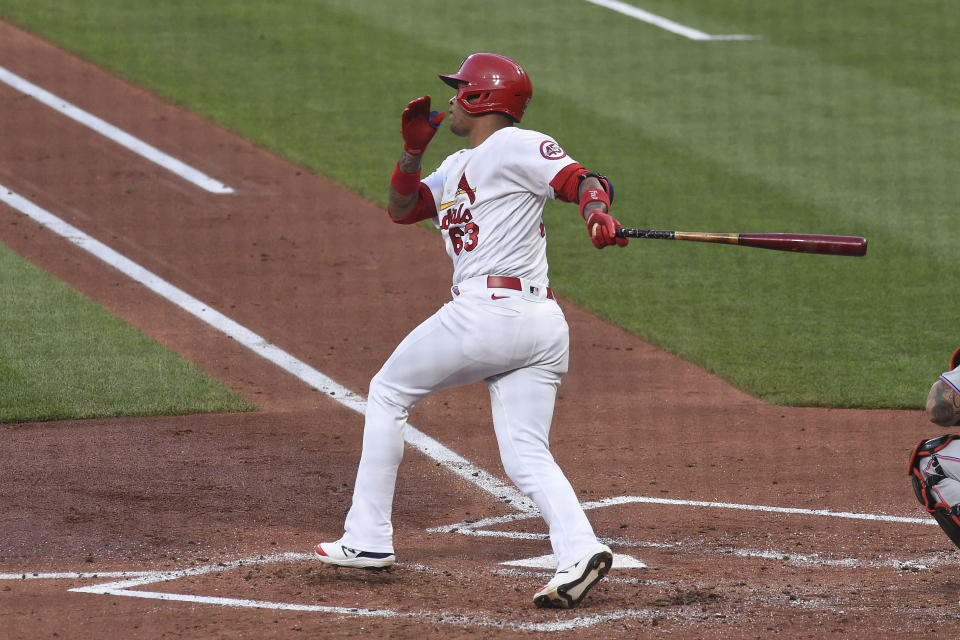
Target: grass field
839,118
64,356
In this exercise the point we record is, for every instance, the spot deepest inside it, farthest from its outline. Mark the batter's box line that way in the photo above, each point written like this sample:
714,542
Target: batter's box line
73,575
919,563
471,525
124,588
481,528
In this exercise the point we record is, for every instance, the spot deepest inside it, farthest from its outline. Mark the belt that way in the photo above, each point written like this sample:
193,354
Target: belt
509,282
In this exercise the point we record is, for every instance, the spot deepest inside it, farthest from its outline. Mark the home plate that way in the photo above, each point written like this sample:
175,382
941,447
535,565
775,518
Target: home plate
549,561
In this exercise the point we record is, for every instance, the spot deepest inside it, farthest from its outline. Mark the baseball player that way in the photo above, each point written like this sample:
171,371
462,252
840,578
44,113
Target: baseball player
502,324
934,466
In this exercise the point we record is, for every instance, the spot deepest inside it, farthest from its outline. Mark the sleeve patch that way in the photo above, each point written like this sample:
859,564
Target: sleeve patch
551,150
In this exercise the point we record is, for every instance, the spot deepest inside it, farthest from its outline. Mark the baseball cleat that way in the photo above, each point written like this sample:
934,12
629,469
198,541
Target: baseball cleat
569,586
339,555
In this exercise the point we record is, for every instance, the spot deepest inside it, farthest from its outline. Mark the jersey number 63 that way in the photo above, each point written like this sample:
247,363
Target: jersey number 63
464,238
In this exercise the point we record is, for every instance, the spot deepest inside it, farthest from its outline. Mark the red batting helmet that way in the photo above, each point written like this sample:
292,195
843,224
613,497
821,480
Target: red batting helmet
497,83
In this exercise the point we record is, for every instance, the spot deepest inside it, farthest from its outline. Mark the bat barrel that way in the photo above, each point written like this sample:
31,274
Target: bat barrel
807,243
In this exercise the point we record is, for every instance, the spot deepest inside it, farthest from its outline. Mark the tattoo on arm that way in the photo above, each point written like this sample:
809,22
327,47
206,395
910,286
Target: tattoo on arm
400,205
943,405
588,183
409,163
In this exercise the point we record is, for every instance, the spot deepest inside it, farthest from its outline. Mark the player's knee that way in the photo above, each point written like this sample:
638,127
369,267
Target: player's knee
387,395
515,471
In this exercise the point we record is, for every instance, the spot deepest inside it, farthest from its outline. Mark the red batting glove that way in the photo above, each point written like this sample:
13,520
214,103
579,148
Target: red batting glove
603,229
418,124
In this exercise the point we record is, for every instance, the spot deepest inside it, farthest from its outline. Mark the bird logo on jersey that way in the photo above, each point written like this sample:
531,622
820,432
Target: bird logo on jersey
463,187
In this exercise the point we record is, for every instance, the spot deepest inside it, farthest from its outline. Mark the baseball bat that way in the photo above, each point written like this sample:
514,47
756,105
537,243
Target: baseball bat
798,242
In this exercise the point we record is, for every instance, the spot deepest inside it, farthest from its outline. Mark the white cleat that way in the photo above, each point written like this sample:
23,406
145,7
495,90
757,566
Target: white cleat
570,585
340,555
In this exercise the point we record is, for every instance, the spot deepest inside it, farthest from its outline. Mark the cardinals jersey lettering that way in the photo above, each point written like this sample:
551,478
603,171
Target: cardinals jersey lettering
490,203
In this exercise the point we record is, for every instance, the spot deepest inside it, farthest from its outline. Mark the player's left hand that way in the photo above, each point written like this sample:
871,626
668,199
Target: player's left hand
603,229
419,124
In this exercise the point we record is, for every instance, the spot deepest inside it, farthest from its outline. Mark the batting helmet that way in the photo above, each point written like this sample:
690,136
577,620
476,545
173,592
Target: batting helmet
491,83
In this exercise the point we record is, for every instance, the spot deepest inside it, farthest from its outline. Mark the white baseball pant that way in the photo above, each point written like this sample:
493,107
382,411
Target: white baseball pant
519,345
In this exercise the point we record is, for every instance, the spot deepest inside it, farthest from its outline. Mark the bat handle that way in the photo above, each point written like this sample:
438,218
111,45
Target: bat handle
653,234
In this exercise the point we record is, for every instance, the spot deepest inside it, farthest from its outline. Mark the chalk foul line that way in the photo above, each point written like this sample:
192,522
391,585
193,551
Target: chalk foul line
663,23
115,134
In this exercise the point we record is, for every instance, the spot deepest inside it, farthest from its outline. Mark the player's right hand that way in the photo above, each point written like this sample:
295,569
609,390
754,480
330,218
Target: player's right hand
603,229
419,124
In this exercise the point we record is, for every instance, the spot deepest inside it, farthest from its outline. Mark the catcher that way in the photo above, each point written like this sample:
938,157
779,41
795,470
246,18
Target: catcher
934,466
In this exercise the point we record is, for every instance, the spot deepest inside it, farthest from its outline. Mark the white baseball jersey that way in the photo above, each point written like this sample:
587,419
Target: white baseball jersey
490,203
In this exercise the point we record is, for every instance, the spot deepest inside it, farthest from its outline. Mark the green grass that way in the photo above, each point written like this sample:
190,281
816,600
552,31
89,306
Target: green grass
840,119
64,356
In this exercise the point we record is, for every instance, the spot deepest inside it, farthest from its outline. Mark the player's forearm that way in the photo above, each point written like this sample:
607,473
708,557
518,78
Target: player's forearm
400,204
943,405
585,185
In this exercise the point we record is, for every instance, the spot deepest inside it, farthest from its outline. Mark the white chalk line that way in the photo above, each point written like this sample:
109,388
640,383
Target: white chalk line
756,507
473,525
664,23
430,447
480,528
115,134
810,559
549,562
73,575
124,588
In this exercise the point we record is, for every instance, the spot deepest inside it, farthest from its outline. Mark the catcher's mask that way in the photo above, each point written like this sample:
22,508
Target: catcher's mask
955,360
491,83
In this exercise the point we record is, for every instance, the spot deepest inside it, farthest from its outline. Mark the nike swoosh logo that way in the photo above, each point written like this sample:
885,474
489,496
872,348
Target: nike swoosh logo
494,296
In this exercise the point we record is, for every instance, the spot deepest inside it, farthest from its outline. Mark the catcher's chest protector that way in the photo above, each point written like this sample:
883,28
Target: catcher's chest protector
934,469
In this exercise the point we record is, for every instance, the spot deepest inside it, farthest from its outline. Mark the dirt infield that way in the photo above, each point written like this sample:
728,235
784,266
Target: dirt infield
201,526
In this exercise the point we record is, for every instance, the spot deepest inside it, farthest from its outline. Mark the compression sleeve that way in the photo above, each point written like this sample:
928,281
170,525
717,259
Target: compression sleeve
425,208
566,184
